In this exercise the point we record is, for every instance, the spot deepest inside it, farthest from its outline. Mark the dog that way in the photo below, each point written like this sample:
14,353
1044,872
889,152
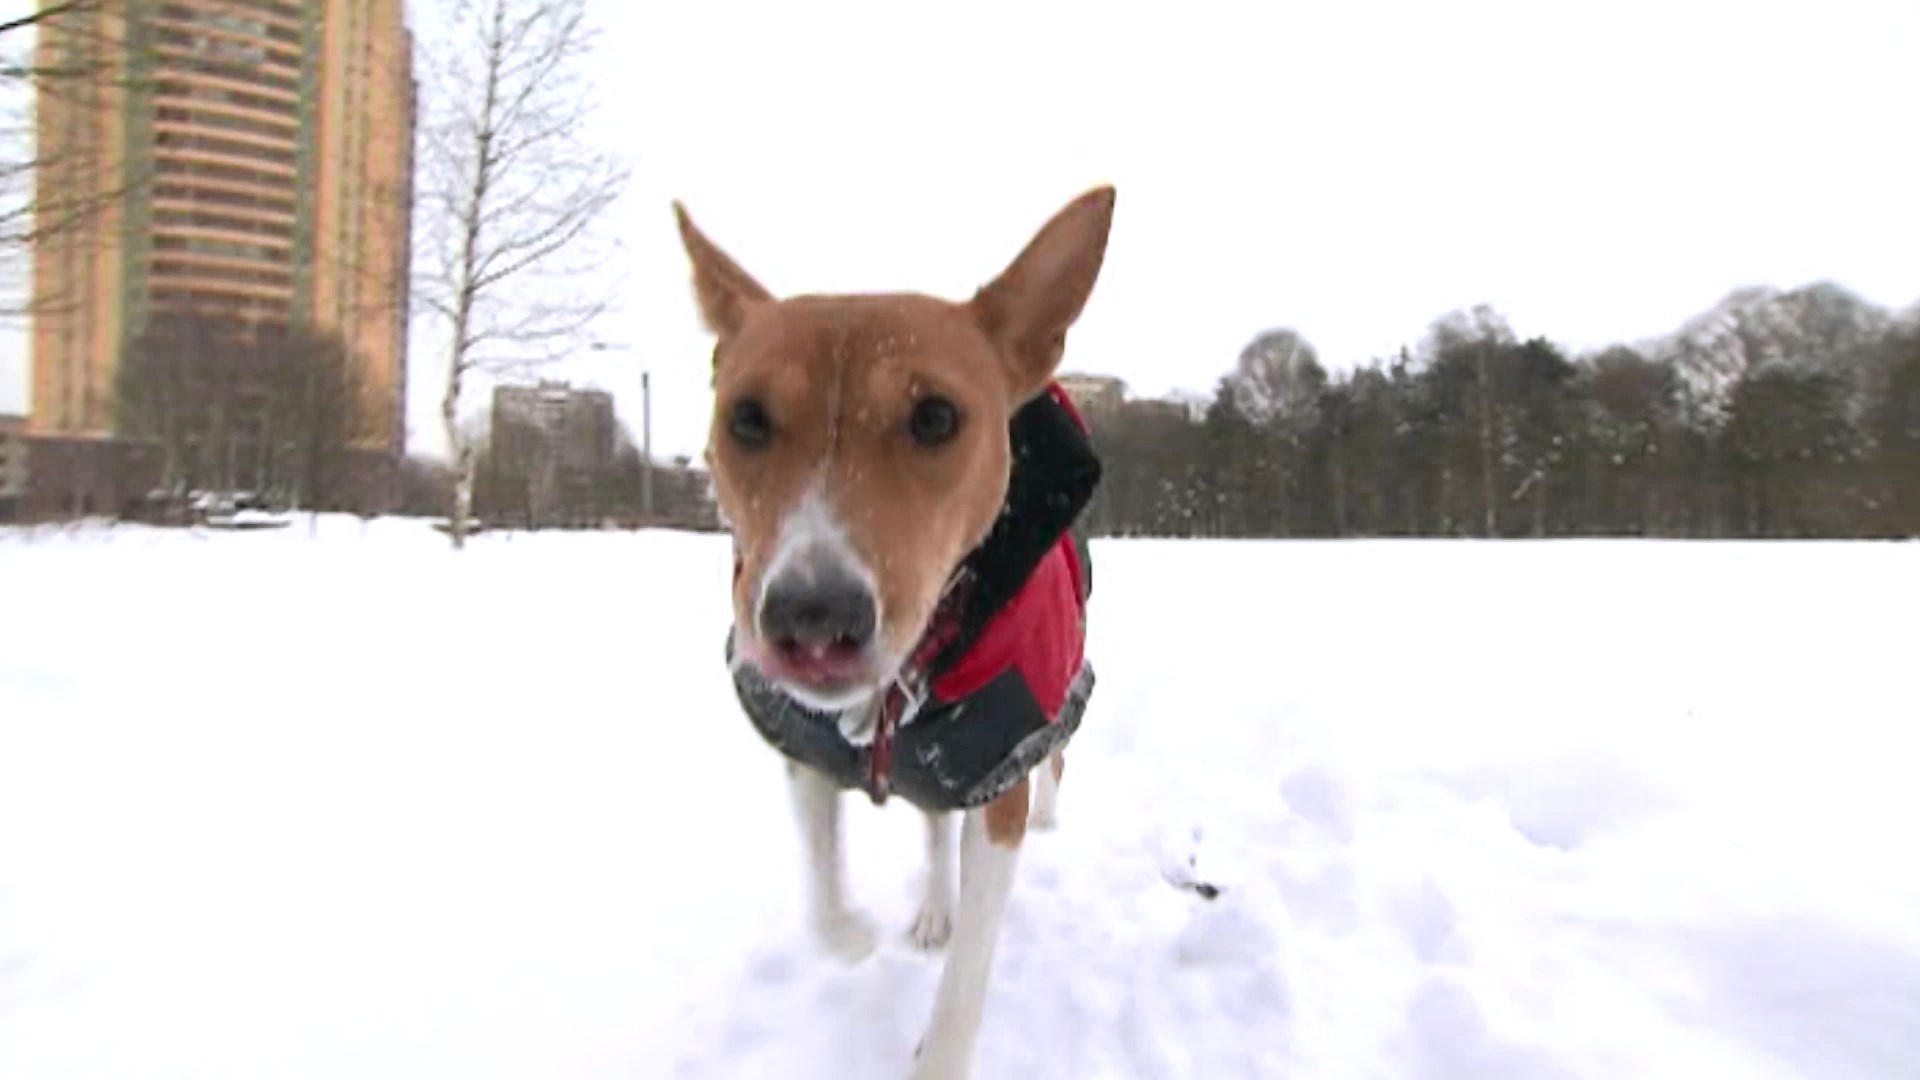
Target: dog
901,477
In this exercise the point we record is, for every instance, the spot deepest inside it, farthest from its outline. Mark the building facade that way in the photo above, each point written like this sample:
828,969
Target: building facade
256,164
72,476
13,466
550,455
1098,397
571,426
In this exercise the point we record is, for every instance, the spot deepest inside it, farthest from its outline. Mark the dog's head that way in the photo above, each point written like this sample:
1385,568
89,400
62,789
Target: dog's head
859,446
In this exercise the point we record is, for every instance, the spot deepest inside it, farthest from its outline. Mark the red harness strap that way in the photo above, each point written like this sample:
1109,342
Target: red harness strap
880,754
908,689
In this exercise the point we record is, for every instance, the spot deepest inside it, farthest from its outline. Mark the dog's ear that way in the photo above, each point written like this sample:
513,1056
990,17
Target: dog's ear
726,292
1027,309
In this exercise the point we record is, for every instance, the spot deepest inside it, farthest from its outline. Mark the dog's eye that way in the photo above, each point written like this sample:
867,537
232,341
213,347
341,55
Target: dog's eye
749,424
934,421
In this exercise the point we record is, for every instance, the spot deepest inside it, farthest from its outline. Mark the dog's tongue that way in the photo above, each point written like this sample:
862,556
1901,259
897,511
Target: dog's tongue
825,661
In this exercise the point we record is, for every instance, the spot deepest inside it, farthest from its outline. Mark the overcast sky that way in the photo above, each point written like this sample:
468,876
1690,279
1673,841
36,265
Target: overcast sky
1596,172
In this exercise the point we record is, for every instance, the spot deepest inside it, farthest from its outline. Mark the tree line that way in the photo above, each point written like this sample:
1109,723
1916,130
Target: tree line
519,484
1775,414
234,405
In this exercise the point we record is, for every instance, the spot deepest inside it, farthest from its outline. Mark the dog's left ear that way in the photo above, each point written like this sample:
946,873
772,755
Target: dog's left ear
1028,308
725,291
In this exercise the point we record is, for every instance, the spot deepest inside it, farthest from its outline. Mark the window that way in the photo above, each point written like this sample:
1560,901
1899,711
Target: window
235,275
225,121
212,171
237,199
235,23
224,248
213,144
203,220
175,89
205,300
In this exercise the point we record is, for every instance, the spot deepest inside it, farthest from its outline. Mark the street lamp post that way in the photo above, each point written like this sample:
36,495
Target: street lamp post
646,447
646,430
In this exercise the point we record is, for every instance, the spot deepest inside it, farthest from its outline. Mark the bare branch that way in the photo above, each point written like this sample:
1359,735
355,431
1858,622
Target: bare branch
510,195
50,185
48,13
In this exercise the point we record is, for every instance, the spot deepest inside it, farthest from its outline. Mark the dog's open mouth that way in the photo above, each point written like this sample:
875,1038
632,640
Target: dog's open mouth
825,664
832,669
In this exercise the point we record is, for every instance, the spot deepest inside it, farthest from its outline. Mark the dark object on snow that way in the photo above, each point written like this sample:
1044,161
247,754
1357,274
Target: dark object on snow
1011,686
1207,890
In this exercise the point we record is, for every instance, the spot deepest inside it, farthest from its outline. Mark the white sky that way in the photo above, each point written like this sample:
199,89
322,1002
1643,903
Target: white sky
1596,172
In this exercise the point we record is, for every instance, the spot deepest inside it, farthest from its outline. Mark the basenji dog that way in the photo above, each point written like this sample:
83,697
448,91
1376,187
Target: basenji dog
900,475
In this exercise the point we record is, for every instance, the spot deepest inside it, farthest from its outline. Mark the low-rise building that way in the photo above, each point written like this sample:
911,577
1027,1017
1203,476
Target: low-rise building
13,467
72,476
550,455
1098,397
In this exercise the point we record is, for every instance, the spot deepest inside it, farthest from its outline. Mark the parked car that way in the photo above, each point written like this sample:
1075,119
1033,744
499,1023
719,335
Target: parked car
240,510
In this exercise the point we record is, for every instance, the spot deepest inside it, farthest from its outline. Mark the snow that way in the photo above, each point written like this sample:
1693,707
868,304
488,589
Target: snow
1473,811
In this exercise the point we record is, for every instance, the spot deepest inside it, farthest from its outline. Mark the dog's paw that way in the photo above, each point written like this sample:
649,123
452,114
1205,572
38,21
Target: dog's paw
933,924
849,936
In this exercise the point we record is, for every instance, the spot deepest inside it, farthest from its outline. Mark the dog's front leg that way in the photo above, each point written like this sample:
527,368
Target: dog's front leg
843,929
933,926
989,853
1046,792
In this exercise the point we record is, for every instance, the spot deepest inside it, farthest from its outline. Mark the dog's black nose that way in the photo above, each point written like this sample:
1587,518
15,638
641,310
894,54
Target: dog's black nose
833,610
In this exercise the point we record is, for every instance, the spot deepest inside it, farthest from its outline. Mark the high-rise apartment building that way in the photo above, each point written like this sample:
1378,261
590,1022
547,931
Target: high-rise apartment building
254,160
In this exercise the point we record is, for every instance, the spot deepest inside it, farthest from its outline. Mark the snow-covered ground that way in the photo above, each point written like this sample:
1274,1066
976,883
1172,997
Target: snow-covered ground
355,807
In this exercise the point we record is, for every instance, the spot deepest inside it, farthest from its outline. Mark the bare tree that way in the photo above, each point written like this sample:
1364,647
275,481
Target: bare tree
59,66
230,404
316,412
510,193
172,386
1277,387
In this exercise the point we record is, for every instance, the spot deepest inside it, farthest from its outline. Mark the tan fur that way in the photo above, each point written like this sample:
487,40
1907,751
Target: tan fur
840,375
837,379
1007,817
724,290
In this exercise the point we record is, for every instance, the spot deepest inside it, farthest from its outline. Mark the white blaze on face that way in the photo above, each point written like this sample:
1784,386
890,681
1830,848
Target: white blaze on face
812,545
